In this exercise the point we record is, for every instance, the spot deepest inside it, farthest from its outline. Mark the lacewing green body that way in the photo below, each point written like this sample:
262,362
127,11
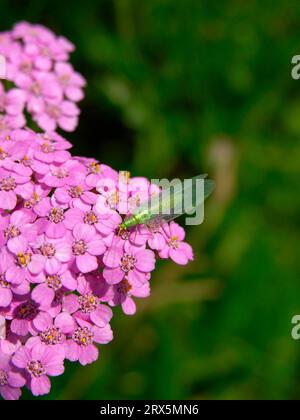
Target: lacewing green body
152,211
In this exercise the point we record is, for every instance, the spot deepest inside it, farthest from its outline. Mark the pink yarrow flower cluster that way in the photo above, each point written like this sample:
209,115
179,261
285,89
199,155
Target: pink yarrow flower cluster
65,261
45,83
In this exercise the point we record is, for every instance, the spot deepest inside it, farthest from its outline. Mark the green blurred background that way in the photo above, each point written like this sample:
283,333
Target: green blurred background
177,88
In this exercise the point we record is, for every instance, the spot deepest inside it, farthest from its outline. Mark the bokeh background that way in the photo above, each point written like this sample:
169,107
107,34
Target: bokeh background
177,88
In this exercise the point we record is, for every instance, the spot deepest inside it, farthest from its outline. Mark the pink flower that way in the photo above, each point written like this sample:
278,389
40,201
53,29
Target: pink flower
102,223
153,234
91,310
9,122
27,317
54,333
9,288
38,193
123,292
51,148
53,115
70,173
97,172
18,63
26,263
70,81
138,189
55,252
78,196
39,363
13,183
39,88
86,247
109,226
88,306
51,336
65,261
11,379
108,222
12,102
93,283
6,42
20,223
45,292
43,54
81,345
179,251
132,262
37,65
10,342
53,218
29,32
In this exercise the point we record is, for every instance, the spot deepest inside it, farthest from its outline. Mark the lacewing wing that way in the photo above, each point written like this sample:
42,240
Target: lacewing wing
179,199
170,203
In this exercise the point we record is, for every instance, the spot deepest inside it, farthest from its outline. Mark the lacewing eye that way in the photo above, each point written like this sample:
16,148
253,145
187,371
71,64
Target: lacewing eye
2,328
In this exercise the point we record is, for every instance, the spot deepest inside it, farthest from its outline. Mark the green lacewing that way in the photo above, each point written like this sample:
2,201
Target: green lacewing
172,199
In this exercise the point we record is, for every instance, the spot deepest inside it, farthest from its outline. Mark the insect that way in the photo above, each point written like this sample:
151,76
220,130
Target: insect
171,203
146,221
